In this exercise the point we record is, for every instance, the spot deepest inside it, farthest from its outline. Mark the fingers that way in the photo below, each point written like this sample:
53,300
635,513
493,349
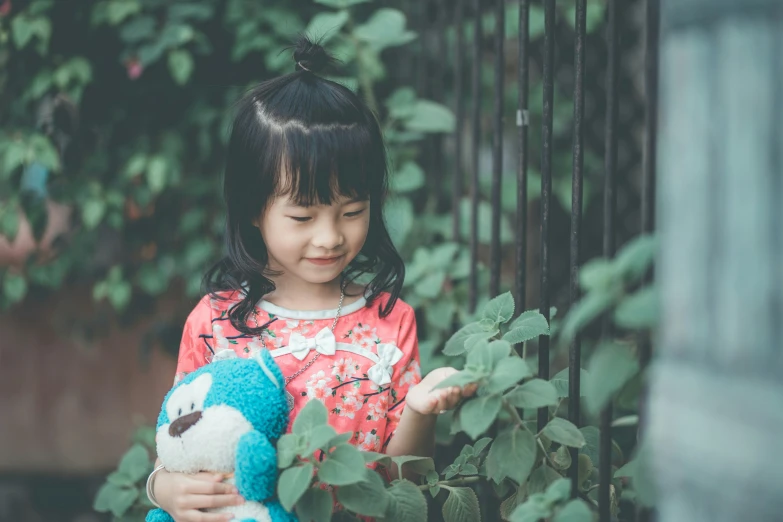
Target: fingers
203,487
210,501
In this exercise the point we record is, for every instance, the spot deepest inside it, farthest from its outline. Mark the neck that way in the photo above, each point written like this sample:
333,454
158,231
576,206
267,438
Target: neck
301,295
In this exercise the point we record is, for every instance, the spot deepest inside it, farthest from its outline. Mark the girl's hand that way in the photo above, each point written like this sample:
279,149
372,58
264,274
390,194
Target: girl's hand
183,496
424,400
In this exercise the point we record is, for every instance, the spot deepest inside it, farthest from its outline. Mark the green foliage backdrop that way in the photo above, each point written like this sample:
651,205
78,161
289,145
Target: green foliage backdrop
118,110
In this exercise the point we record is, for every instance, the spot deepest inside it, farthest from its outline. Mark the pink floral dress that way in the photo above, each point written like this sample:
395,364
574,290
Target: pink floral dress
362,374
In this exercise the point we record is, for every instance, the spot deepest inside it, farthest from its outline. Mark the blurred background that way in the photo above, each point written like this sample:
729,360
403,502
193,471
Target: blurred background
114,117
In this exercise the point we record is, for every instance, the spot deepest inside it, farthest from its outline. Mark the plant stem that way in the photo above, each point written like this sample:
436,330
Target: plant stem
514,413
454,482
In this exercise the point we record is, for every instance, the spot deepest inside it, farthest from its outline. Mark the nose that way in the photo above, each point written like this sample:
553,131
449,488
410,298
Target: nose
184,423
328,237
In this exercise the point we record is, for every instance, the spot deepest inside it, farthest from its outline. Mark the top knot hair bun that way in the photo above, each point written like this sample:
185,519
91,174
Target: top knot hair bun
310,57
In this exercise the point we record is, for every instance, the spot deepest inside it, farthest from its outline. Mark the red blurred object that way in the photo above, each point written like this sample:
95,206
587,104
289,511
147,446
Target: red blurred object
5,8
134,68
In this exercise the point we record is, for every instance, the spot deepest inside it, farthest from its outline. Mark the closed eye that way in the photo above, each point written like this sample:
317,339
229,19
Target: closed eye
355,213
301,219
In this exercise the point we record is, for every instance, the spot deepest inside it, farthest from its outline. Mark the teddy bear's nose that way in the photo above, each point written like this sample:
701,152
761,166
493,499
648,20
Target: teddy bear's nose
184,423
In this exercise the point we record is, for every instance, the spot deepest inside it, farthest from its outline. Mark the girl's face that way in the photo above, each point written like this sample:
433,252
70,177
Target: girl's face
314,244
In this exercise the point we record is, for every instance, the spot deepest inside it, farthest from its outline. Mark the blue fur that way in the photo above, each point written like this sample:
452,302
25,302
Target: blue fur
243,385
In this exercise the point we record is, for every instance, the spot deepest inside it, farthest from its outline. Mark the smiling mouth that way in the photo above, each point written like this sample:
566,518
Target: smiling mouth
324,260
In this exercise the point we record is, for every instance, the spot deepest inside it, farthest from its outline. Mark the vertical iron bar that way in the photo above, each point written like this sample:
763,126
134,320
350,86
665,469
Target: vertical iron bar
610,204
497,148
648,175
546,189
522,124
459,110
474,175
438,94
651,123
575,354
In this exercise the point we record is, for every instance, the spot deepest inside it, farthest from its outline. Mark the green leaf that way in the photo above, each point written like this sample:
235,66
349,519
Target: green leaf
119,295
136,463
114,499
325,26
456,344
461,379
181,65
345,465
419,465
528,325
461,506
431,285
500,309
431,117
506,374
14,287
639,310
292,484
559,490
385,28
119,479
372,456
541,478
316,505
479,413
93,211
319,437
585,311
401,103
560,382
512,454
535,393
597,274
576,510
406,503
9,221
481,445
368,497
313,414
288,447
487,355
536,508
635,258
564,432
592,438
398,214
562,458
610,367
407,178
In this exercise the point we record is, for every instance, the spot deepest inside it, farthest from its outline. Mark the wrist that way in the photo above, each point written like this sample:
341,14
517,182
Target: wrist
151,484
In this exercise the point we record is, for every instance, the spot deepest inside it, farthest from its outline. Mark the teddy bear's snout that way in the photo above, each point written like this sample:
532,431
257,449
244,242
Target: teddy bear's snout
184,423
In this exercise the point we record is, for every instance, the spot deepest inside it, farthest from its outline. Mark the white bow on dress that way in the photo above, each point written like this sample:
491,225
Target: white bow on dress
323,342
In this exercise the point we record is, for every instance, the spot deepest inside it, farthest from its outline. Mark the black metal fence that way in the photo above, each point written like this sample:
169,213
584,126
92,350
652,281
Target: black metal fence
602,67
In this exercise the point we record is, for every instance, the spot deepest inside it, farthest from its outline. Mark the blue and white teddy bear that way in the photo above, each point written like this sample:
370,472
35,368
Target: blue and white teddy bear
226,417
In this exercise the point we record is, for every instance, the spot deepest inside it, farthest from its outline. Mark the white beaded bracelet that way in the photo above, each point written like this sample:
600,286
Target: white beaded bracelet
151,484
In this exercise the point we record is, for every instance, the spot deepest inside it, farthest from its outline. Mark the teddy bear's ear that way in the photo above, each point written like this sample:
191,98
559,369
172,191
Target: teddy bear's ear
270,368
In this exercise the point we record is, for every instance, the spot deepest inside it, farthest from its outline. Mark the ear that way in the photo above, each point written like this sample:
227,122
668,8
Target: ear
270,368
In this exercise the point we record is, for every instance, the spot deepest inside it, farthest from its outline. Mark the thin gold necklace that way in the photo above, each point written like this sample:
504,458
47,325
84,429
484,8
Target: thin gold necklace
288,395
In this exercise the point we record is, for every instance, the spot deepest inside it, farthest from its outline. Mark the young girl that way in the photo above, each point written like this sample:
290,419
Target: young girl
305,180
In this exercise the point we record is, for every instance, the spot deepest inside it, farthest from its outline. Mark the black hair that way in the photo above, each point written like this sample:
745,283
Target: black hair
330,141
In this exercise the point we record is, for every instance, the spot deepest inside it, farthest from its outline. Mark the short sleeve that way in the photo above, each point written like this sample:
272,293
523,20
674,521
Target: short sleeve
191,357
407,372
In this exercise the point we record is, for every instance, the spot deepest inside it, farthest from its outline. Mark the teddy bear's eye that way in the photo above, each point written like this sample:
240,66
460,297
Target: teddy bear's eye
192,406
179,412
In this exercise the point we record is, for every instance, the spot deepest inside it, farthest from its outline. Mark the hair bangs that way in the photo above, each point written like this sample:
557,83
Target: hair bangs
323,163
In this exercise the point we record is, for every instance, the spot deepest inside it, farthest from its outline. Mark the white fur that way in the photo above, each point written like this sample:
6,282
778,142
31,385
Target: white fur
210,444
